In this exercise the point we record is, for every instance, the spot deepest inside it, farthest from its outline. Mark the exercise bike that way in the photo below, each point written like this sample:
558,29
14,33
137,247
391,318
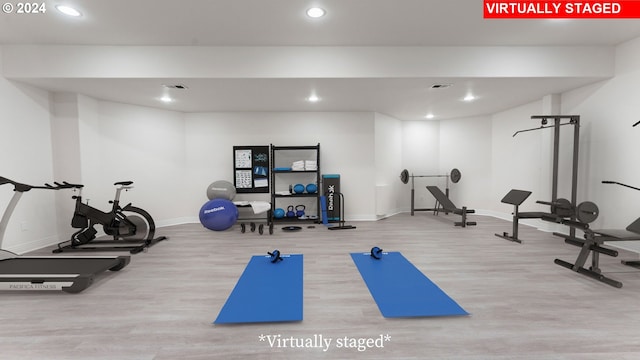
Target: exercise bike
130,227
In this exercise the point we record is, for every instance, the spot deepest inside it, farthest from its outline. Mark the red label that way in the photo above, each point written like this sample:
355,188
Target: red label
518,9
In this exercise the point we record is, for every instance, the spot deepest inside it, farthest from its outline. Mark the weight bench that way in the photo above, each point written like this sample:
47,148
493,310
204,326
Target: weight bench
516,198
442,201
593,244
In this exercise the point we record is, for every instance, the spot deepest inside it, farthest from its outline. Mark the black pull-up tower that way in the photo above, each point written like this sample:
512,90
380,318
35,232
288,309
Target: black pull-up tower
558,121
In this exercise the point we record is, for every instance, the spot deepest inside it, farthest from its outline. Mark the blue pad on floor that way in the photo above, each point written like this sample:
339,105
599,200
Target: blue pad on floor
401,290
266,292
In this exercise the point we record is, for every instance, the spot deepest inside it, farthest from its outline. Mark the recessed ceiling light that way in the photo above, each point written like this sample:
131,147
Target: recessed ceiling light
430,116
316,12
175,86
313,98
166,98
469,97
68,10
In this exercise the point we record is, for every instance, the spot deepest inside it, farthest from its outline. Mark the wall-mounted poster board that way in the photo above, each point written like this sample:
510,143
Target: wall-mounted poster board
251,169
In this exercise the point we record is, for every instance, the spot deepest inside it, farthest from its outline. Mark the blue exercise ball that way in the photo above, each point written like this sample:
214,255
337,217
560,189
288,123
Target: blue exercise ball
298,188
312,188
218,214
278,213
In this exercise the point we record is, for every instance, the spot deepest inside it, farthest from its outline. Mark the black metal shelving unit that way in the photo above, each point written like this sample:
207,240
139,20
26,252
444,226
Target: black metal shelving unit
281,180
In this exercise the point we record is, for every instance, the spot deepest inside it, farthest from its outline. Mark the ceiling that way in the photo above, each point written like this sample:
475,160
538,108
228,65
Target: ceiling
251,23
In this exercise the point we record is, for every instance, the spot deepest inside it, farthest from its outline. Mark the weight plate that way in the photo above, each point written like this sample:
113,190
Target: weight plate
562,208
455,175
291,228
587,212
404,176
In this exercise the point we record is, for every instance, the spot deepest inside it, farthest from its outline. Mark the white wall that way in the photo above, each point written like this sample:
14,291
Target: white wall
25,156
610,146
420,156
465,144
65,140
121,142
518,162
388,160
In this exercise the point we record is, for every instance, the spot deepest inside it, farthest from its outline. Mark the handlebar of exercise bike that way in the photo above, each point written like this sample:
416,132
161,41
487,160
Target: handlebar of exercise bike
66,185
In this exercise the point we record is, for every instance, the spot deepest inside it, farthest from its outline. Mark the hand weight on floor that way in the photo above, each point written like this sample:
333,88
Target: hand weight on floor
376,253
275,256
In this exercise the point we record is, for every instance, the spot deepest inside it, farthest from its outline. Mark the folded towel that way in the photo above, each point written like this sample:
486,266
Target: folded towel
311,165
260,206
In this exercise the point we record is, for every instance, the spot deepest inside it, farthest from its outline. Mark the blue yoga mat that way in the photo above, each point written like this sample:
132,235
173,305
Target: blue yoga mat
266,292
401,290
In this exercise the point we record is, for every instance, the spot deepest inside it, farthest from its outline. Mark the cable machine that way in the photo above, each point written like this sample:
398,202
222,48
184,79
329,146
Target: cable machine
560,205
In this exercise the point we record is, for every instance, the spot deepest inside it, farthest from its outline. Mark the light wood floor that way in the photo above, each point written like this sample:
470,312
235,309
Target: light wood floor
162,305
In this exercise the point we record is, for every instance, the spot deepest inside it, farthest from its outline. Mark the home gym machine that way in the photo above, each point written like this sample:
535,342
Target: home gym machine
131,228
70,274
561,209
594,243
454,176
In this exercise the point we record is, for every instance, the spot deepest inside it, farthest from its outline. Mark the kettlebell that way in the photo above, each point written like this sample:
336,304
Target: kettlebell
290,212
300,210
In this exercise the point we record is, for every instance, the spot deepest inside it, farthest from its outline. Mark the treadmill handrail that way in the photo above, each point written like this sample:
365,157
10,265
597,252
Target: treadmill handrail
20,187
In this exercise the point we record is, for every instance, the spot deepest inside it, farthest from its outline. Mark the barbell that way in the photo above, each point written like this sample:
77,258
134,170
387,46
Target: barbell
454,175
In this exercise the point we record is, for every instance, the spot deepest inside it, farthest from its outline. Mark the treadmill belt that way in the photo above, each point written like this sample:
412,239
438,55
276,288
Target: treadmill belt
58,265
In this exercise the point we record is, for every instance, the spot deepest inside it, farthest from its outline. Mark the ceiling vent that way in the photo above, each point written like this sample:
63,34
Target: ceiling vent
175,86
441,86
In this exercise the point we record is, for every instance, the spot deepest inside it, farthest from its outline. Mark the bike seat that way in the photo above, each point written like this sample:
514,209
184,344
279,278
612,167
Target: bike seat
124,183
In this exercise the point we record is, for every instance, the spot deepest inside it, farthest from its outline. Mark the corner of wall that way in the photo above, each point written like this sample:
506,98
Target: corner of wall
627,56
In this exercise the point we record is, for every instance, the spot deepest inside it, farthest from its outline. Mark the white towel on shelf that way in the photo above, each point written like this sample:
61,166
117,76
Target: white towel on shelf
297,165
311,165
260,206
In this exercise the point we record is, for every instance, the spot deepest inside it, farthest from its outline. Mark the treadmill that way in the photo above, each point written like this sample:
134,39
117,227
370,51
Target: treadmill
71,274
